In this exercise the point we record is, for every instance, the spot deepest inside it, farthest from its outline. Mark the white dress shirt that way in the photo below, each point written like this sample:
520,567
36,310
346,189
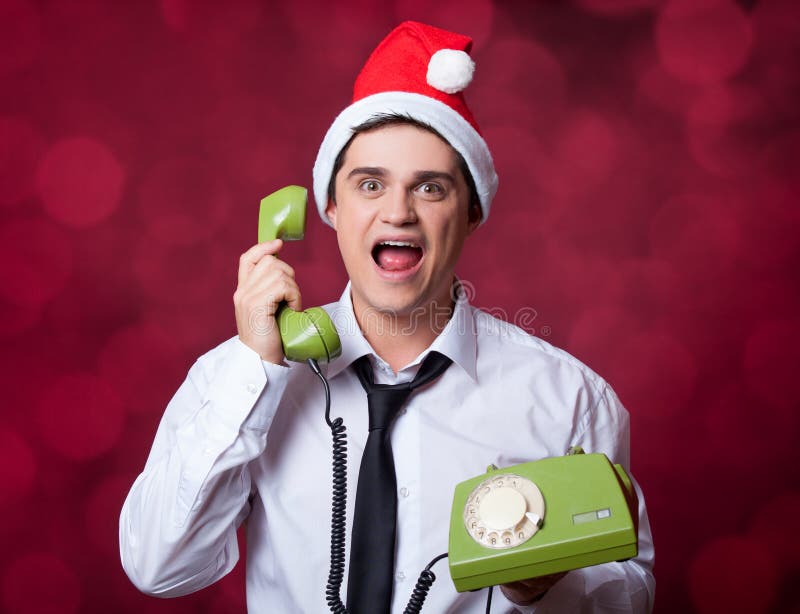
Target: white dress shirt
246,440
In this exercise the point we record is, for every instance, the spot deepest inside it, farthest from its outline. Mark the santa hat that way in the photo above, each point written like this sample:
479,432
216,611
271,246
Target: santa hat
417,71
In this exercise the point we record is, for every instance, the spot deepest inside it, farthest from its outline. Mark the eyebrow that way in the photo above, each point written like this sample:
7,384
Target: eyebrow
376,171
419,176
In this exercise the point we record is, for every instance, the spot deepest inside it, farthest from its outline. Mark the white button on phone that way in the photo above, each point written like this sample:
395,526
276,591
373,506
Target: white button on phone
404,492
400,576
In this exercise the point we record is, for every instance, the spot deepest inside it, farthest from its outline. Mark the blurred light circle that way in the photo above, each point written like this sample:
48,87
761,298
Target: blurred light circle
17,467
587,145
80,182
769,528
80,416
21,147
777,29
20,35
216,20
143,364
733,574
730,429
773,221
595,329
184,201
663,90
36,261
698,234
771,358
101,513
40,583
720,126
530,80
183,275
703,41
617,7
16,319
654,374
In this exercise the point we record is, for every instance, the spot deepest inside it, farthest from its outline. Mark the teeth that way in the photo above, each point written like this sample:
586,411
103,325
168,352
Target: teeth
398,243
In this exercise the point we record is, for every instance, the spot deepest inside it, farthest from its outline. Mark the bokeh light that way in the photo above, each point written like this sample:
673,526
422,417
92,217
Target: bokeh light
733,574
769,529
80,181
183,201
17,467
21,147
80,416
649,361
41,583
36,261
101,513
772,353
703,42
20,35
143,364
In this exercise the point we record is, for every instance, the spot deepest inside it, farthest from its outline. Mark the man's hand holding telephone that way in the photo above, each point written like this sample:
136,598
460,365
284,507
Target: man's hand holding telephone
264,283
267,299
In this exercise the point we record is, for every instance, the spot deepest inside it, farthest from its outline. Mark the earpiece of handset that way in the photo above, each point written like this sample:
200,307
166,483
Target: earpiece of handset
305,334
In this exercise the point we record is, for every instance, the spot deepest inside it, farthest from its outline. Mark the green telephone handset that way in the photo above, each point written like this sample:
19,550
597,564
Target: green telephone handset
305,334
500,531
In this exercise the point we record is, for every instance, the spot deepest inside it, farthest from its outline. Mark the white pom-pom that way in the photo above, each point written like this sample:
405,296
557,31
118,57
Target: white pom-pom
450,70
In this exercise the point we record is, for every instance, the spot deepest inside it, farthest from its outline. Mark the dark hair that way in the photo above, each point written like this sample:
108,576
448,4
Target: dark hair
383,120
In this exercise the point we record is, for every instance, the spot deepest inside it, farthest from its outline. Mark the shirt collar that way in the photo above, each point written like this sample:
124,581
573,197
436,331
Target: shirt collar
456,341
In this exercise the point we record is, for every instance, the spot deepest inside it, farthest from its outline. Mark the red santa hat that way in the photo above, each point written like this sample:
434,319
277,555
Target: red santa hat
421,72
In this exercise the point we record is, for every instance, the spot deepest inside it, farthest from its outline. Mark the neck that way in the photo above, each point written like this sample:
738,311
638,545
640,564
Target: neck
399,339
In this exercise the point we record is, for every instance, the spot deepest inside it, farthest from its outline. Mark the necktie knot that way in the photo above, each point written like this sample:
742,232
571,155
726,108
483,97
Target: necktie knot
385,400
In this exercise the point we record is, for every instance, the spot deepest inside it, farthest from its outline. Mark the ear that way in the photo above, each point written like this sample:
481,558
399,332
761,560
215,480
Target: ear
330,212
474,219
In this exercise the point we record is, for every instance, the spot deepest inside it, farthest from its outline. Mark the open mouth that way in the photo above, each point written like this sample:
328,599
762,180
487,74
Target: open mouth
396,255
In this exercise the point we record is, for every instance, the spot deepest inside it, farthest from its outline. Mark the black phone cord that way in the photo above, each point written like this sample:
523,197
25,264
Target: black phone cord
338,510
339,520
424,583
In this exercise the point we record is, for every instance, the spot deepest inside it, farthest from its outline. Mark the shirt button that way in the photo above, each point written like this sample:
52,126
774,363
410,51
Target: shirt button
400,576
252,388
404,492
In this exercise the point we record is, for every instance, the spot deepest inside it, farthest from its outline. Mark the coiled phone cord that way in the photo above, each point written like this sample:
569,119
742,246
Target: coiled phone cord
339,520
338,510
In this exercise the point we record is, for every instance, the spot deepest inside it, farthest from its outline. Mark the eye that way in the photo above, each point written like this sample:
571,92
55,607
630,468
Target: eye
430,190
370,185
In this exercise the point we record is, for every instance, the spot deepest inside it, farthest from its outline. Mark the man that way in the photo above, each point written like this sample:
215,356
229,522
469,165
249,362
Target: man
404,178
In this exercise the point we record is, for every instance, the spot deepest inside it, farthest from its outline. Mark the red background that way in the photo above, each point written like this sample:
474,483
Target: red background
647,221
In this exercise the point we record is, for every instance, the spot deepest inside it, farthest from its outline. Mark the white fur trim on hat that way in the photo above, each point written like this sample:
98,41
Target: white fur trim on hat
450,70
450,124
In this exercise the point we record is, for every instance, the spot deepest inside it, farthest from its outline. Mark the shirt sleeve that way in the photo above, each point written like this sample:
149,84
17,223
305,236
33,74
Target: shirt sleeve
177,528
628,586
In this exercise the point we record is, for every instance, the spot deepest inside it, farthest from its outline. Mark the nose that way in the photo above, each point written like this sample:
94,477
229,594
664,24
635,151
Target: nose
398,208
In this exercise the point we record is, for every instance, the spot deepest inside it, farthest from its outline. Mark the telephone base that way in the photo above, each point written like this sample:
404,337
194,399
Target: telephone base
554,514
535,570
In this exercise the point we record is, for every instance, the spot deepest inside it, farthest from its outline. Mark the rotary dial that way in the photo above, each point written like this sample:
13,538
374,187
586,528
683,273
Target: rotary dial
504,511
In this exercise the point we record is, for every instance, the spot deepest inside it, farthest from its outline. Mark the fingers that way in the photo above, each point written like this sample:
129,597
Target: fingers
268,287
256,254
524,592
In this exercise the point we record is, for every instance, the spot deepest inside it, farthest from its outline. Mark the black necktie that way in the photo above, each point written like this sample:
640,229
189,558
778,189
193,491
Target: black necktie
370,579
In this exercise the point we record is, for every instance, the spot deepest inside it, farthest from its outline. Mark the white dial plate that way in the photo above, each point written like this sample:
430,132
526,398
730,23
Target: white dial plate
504,511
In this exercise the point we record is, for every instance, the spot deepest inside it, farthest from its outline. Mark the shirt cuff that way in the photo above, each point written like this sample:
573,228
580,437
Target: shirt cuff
235,396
